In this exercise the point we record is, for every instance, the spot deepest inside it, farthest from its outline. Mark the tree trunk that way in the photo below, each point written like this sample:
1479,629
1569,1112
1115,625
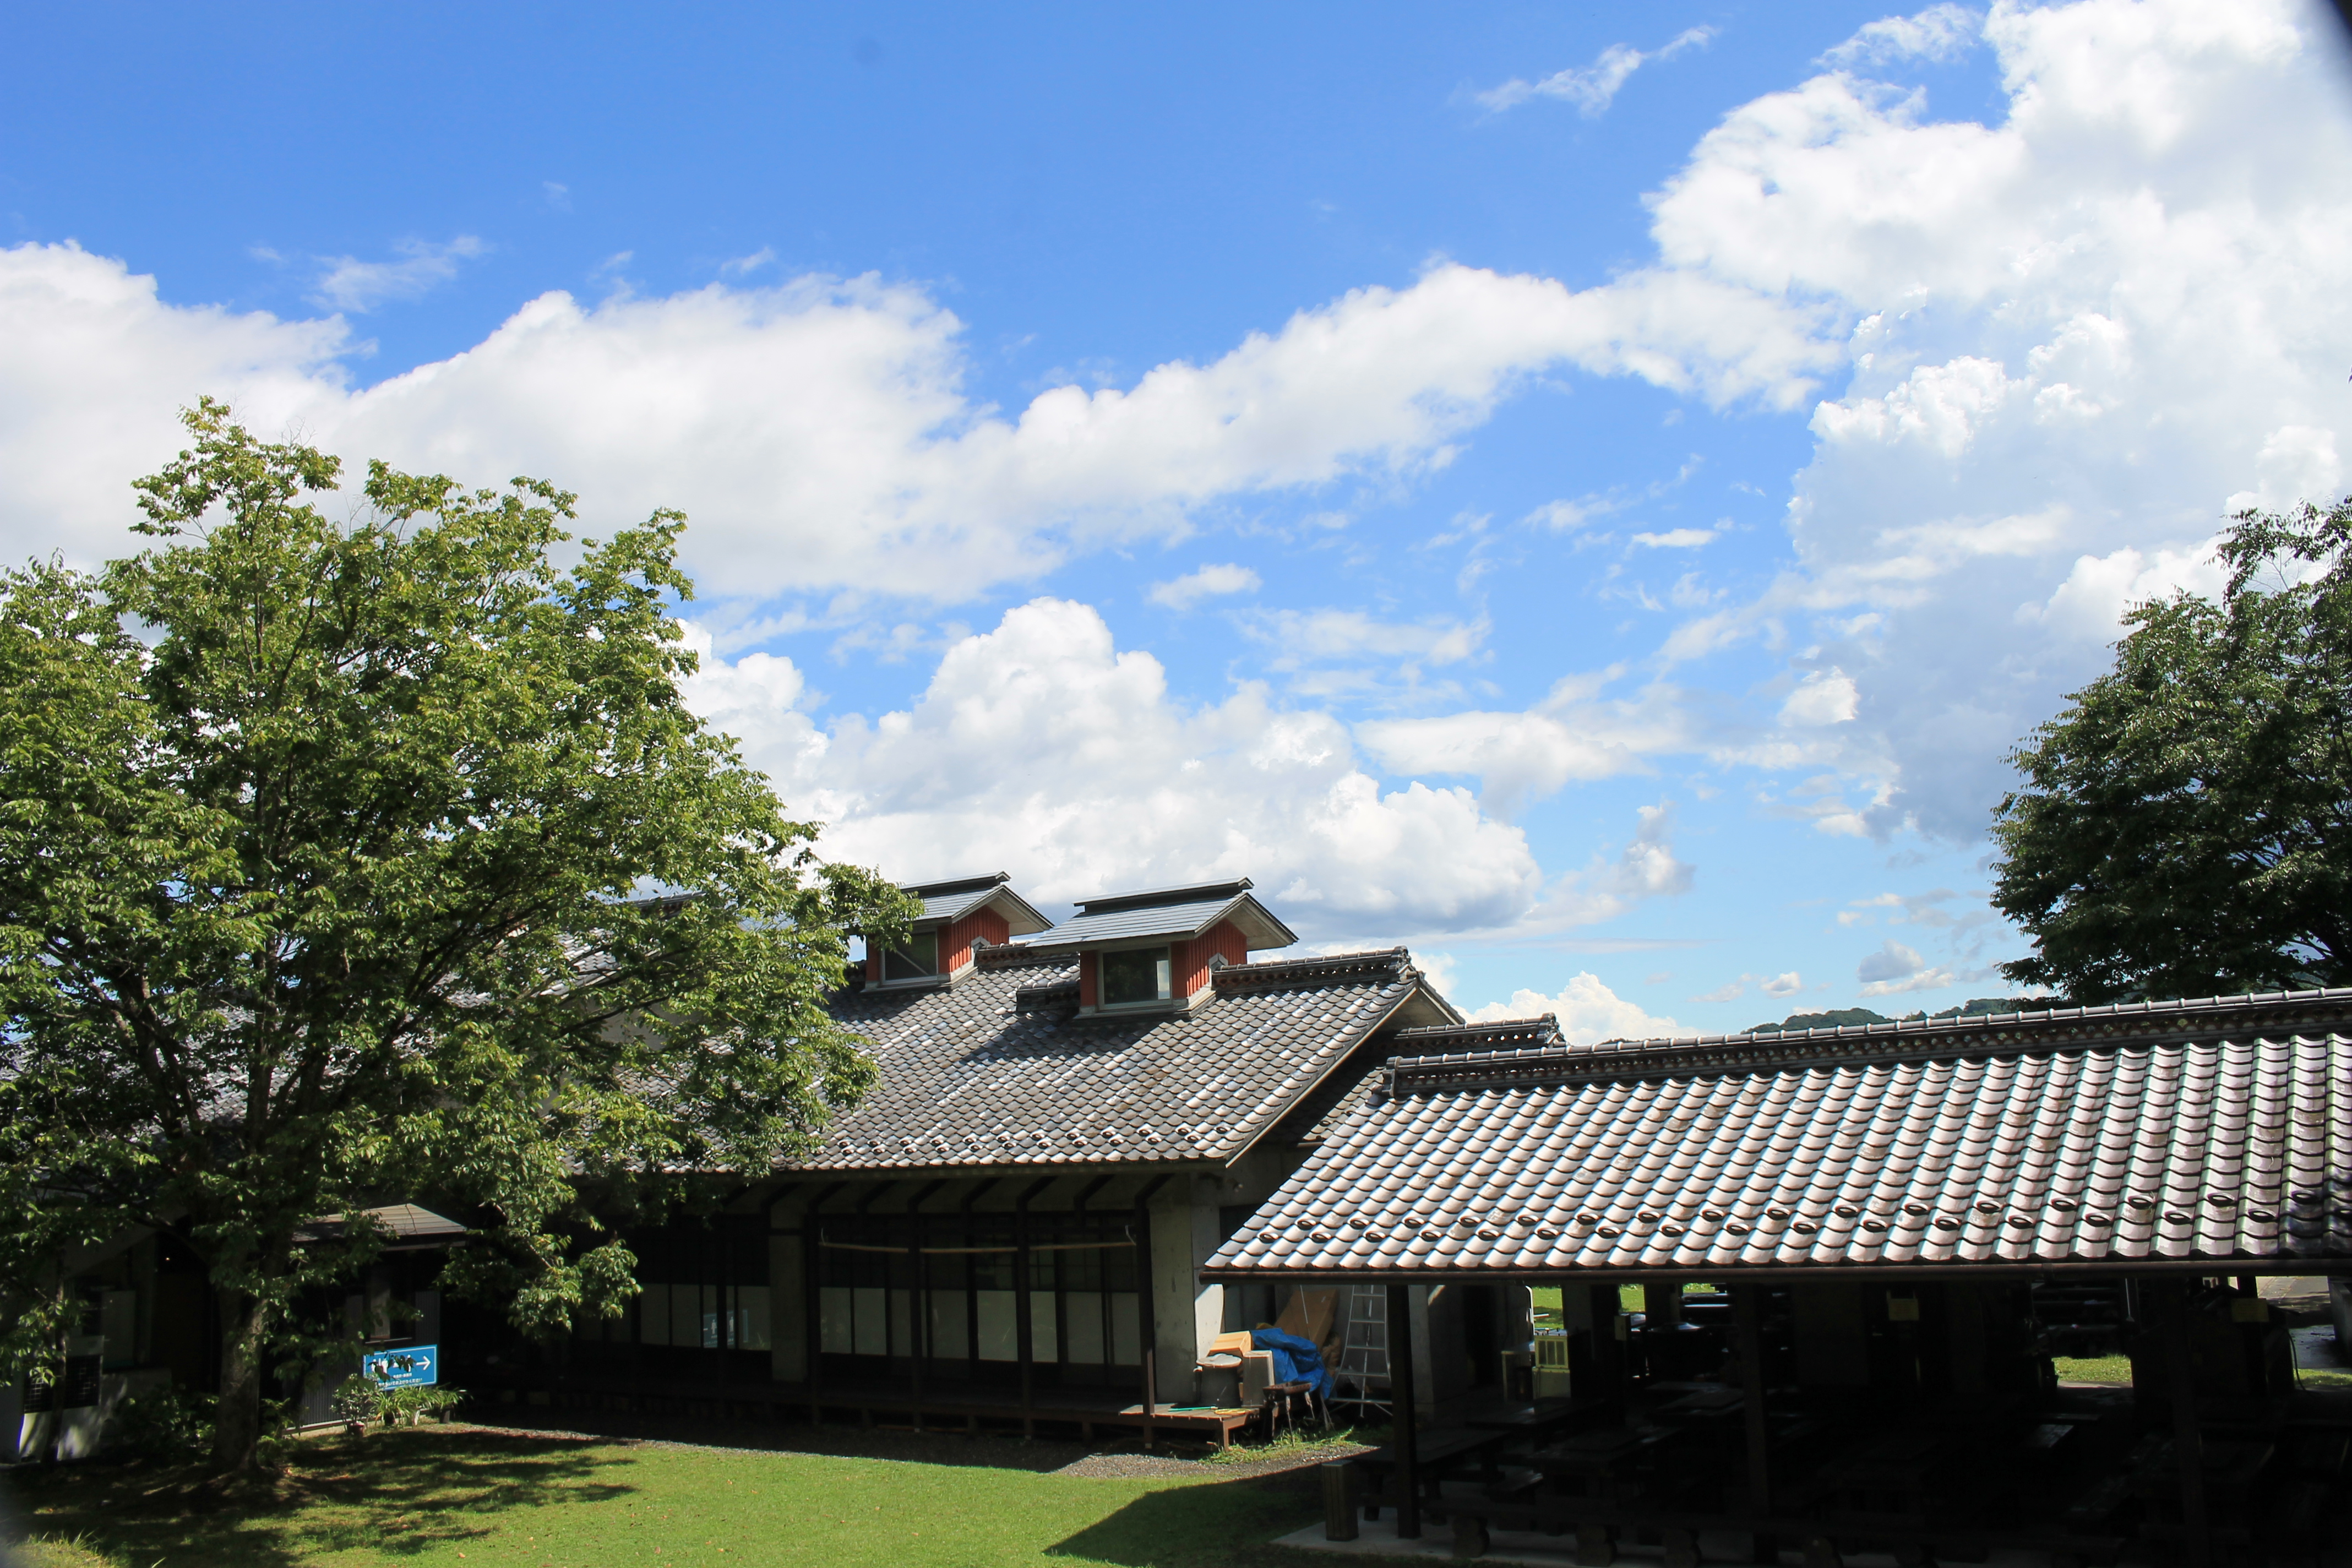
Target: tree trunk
236,1429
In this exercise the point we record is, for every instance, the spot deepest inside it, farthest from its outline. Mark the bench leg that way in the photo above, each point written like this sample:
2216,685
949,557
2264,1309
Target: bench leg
1682,1547
1593,1547
1469,1536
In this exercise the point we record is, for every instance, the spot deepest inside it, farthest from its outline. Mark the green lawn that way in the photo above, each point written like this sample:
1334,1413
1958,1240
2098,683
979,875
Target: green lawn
1630,1298
438,1498
2113,1369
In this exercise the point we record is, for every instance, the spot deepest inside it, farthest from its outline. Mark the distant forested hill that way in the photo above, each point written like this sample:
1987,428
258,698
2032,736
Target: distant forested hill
1971,1009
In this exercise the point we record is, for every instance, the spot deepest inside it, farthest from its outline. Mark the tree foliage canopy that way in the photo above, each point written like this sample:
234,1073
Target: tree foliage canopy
324,849
2186,828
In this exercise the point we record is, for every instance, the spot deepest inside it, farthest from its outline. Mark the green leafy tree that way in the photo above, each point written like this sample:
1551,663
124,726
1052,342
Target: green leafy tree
2186,828
322,854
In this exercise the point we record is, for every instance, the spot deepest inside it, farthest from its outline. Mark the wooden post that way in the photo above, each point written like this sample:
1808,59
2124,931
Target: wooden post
812,1299
2188,1442
1338,1500
1406,1441
1147,1320
915,1323
1151,1398
1749,1330
1024,1340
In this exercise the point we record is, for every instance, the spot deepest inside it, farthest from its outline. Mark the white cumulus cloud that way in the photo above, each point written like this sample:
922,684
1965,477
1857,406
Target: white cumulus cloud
350,284
1592,88
1589,1013
1042,749
817,431
1208,582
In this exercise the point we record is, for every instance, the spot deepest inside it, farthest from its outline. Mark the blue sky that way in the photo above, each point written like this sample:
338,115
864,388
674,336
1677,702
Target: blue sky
1592,493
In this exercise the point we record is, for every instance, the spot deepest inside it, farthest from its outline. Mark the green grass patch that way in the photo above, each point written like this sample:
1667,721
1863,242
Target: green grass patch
443,1499
52,1552
1302,1446
2114,1369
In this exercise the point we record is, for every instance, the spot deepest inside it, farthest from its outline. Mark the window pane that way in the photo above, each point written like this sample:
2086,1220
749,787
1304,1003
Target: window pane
999,1337
1126,1330
836,1316
871,1325
653,1315
1043,1346
1084,1310
1140,975
917,956
950,1326
751,1317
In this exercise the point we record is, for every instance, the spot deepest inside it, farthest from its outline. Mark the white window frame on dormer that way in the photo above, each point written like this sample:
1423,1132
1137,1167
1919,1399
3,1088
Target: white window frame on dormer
1166,952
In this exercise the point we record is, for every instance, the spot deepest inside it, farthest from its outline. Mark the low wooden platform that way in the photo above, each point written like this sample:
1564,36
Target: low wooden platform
952,1407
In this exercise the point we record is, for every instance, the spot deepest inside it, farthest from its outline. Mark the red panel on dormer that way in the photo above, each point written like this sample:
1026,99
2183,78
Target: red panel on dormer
955,941
1089,979
1188,962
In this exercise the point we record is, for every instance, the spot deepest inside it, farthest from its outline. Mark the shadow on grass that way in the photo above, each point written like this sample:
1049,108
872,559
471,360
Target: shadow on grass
1209,1526
394,1492
986,1450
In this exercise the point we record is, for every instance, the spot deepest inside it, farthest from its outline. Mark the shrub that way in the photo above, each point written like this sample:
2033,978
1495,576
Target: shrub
359,1399
167,1426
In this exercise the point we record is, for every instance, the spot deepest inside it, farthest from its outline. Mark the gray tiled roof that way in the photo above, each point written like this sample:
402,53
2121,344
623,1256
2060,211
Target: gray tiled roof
2218,1130
995,1070
947,901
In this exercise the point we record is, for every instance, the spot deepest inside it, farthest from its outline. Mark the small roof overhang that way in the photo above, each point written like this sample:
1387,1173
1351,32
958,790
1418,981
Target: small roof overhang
411,1227
946,902
1171,914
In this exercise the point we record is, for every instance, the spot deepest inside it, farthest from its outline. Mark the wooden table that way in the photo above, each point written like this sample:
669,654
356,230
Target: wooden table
1436,1454
1540,1419
1594,1461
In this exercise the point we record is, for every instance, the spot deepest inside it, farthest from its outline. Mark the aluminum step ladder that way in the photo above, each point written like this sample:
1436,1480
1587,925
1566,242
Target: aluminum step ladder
1363,1370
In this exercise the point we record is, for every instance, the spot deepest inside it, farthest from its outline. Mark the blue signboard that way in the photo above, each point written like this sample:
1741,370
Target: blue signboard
411,1368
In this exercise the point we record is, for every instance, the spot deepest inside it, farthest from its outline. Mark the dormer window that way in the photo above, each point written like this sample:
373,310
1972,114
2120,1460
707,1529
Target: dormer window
1136,974
959,919
1163,948
913,958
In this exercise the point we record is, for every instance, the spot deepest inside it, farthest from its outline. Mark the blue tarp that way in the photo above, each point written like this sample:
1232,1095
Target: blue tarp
1294,1360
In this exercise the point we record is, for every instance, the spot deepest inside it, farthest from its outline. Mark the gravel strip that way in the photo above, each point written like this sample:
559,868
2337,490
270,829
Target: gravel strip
1139,1467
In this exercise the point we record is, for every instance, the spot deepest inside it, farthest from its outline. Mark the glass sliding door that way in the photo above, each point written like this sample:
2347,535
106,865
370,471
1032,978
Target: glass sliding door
1084,1311
702,1307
